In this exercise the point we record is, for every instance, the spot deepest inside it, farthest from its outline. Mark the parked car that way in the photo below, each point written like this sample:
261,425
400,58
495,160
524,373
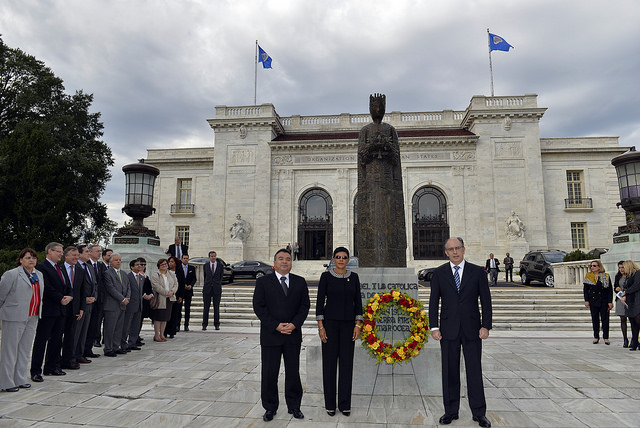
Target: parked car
227,273
536,266
353,263
252,268
425,274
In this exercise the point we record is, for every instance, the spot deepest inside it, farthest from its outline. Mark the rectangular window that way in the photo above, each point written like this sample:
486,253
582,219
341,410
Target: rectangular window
579,235
182,232
574,187
184,191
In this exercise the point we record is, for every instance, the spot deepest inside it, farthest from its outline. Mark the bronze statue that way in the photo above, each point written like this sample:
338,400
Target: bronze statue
381,232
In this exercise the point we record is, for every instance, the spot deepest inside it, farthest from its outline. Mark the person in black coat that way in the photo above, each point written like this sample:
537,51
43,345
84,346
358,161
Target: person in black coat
598,298
339,316
631,297
55,298
457,285
186,275
281,302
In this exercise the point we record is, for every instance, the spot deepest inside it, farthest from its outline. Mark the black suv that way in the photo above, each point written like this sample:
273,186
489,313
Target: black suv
536,266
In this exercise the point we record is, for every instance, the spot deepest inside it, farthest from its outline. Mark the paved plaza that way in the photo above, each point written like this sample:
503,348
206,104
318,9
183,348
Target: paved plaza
212,379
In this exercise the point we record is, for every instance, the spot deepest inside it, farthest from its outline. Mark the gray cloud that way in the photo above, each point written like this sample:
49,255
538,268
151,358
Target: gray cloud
157,69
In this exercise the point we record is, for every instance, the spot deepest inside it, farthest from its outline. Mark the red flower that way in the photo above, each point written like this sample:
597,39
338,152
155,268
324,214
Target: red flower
386,298
371,339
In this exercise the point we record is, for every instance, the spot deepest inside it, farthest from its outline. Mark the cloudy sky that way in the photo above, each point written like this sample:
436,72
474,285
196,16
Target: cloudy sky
158,68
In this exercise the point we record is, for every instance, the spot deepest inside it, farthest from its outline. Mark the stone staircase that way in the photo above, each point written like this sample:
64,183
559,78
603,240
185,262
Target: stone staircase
514,308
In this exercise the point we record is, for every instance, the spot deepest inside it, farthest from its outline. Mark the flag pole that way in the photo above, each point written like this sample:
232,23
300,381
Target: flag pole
255,76
490,64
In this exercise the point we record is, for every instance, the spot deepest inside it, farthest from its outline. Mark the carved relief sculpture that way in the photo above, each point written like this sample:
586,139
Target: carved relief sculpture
514,227
381,233
240,229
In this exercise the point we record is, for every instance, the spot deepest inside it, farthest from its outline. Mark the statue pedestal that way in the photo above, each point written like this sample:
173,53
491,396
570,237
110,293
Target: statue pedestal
234,252
421,376
132,247
517,248
624,247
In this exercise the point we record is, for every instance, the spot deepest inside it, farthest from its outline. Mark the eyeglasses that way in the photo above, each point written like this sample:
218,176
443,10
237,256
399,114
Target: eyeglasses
143,264
454,248
595,266
341,257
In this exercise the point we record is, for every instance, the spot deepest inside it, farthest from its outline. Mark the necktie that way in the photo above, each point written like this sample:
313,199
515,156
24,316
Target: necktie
119,277
95,269
72,275
213,268
88,271
138,277
456,277
283,281
60,272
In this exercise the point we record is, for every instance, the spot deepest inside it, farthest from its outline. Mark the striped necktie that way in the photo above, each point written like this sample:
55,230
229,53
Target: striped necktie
456,277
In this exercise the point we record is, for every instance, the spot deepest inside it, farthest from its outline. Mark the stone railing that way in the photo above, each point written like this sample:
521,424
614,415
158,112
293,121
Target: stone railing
570,274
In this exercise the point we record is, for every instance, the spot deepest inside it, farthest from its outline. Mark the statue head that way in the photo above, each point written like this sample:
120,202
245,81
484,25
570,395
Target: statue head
377,105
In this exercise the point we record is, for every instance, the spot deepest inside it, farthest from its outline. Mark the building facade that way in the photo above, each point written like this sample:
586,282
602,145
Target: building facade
482,173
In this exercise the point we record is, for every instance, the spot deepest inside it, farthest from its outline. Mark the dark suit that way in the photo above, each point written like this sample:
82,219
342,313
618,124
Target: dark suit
51,324
212,288
114,310
187,295
272,308
73,327
132,313
184,249
459,324
493,272
91,290
95,322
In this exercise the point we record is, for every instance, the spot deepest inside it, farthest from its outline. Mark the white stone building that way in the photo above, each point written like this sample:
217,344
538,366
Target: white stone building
482,173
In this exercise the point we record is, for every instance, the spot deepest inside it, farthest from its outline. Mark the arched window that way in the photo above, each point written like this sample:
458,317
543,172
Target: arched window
315,227
430,227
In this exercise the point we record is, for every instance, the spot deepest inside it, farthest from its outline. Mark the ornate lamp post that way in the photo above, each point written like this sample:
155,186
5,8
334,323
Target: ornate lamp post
141,178
628,170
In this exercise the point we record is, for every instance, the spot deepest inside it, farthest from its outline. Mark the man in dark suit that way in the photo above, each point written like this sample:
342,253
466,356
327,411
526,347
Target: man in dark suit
491,266
177,250
76,279
212,289
186,275
117,294
281,302
51,323
457,286
95,322
133,311
91,295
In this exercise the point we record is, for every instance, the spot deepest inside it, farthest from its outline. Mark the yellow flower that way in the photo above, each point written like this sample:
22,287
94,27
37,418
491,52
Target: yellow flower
389,360
376,297
412,309
367,327
395,294
375,345
401,351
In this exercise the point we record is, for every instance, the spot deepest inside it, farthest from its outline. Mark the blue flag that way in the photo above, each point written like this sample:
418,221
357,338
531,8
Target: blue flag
497,43
264,58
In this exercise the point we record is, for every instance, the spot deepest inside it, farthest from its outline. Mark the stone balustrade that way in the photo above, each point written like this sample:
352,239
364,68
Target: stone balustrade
570,274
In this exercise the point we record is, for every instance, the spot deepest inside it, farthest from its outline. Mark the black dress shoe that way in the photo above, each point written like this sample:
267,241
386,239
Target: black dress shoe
14,389
296,413
482,421
331,412
346,413
37,378
204,327
447,418
110,354
83,360
269,414
92,355
120,351
71,366
186,328
134,348
217,327
139,343
25,386
96,344
171,336
56,372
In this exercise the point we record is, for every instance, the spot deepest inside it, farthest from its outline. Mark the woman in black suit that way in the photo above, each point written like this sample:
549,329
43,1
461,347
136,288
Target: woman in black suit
339,316
598,297
631,298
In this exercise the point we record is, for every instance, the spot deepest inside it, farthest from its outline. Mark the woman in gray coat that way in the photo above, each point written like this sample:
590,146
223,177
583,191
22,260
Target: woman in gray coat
21,292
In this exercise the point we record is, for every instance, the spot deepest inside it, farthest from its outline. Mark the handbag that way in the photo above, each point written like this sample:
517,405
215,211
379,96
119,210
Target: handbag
155,301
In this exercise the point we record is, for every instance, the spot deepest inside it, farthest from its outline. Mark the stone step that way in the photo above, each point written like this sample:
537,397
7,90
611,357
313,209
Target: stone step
513,308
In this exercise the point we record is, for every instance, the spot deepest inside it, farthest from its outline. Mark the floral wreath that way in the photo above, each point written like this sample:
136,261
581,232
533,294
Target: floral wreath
401,351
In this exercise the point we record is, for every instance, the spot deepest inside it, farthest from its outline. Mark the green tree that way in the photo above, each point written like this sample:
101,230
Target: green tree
53,165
